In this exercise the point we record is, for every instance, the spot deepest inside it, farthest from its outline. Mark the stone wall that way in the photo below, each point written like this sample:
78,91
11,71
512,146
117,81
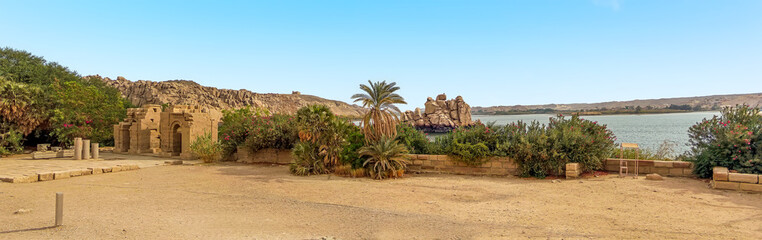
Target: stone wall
269,155
497,166
664,168
724,179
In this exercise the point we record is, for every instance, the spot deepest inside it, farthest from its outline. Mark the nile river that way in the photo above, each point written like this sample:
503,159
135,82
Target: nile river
648,130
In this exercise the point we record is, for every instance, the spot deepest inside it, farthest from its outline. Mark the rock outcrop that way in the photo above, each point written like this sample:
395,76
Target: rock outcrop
183,92
440,115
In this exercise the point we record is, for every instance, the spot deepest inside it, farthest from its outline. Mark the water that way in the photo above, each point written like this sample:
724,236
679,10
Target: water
647,130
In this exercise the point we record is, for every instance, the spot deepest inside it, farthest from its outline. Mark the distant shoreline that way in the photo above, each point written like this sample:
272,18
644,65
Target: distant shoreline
590,113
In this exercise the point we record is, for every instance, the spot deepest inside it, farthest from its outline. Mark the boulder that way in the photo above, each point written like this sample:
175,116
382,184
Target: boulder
654,176
440,114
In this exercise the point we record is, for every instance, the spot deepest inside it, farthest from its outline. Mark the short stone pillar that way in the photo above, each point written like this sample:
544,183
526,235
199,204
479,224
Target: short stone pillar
96,151
86,149
77,148
572,170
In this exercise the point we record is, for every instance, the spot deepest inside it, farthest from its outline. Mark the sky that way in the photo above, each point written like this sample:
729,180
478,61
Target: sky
504,52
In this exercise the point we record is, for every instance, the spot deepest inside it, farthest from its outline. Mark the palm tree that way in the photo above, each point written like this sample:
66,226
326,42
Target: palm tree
385,158
382,117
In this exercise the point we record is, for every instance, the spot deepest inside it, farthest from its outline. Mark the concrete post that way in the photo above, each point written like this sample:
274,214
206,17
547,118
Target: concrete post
86,149
95,150
59,209
77,148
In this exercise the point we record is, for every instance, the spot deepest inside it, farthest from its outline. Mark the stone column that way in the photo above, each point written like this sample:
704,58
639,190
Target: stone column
77,148
86,149
95,150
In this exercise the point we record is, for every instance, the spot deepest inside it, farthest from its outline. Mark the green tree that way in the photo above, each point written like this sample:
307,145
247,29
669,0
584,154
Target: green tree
381,119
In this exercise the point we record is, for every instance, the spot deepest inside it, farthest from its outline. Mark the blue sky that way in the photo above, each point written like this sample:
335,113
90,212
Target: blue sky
490,52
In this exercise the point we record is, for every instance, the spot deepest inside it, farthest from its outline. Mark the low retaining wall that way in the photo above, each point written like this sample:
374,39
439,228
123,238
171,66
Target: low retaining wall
268,155
664,168
496,166
724,179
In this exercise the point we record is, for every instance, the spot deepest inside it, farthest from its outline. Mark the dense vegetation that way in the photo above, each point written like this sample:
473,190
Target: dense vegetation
732,140
48,102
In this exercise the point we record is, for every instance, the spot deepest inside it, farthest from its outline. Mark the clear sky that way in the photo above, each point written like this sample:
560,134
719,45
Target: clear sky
490,52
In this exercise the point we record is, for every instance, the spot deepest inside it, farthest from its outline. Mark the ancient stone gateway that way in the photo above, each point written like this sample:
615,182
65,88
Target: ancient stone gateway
167,132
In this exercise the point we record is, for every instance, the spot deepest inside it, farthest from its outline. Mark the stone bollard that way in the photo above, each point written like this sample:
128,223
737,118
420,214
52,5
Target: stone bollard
86,149
95,150
77,148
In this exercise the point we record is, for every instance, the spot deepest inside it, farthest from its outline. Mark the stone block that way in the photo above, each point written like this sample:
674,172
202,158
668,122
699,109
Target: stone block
760,179
75,173
174,162
572,173
95,170
645,163
44,155
572,167
663,164
61,175
726,185
116,169
681,164
46,176
6,179
42,147
687,171
751,187
106,169
644,170
86,172
743,177
24,179
423,157
675,172
720,174
65,153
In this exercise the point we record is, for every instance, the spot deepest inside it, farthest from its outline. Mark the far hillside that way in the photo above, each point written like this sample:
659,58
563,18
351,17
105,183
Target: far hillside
662,105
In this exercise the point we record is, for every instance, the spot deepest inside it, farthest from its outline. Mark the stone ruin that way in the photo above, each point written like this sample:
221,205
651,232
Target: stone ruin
166,133
440,115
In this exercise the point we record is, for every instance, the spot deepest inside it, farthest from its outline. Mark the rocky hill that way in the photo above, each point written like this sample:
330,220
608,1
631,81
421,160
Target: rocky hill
692,103
183,92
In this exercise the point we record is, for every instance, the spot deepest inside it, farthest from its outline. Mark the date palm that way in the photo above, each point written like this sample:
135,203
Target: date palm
382,116
386,158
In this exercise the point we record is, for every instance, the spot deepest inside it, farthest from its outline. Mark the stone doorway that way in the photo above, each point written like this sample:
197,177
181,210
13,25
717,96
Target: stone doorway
177,140
125,137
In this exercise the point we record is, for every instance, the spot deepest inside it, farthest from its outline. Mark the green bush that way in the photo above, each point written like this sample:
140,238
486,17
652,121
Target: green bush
469,153
415,140
322,140
11,141
471,145
386,158
539,150
277,131
732,140
354,141
206,149
236,126
56,101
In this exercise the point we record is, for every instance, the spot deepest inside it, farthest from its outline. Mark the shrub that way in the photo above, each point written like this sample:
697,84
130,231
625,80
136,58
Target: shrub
278,131
576,140
307,160
415,140
354,141
385,158
539,150
10,142
236,126
472,145
206,149
322,140
732,140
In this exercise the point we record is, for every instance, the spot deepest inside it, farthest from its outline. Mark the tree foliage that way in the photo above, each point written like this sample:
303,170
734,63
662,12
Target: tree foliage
42,96
382,117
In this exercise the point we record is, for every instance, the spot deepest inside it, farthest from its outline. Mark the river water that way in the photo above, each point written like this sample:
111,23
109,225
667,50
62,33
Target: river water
647,130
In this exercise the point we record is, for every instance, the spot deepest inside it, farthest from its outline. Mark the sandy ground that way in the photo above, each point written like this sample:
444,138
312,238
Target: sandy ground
233,201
